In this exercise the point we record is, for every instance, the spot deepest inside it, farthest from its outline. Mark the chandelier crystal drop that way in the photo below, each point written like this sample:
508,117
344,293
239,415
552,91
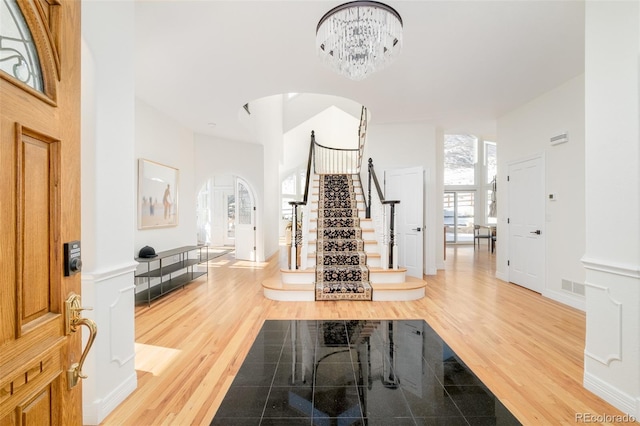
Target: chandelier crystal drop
358,38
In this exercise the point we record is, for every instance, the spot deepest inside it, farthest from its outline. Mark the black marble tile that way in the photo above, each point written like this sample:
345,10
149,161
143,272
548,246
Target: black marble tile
441,421
264,353
380,401
338,401
338,421
475,401
294,374
389,421
244,401
373,372
255,374
289,402
280,421
431,401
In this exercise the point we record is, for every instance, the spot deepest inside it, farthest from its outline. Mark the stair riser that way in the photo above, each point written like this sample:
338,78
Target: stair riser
387,277
378,295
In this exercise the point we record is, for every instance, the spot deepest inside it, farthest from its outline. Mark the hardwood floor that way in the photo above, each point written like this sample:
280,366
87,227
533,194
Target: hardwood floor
527,349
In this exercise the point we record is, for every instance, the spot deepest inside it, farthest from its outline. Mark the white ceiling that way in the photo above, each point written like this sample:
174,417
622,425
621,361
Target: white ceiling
463,63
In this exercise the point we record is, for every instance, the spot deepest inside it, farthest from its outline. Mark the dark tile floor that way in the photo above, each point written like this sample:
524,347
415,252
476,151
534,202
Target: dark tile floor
356,373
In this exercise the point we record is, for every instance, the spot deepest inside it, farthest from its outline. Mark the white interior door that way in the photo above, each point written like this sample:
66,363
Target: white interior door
245,222
221,229
407,185
526,223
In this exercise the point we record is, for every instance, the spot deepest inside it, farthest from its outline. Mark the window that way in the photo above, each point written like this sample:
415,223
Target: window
231,216
244,205
459,207
292,189
490,161
18,55
470,166
490,176
460,157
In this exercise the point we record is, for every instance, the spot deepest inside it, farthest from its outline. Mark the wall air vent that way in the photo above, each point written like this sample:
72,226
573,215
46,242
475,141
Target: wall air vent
559,138
573,287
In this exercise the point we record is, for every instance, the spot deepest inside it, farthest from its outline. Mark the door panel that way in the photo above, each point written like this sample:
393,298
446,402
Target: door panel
526,220
245,222
407,185
38,227
39,211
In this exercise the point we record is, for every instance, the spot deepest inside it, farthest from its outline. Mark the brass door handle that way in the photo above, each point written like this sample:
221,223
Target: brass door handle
73,322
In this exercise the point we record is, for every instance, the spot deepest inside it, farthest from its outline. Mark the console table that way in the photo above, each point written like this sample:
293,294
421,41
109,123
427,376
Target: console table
175,268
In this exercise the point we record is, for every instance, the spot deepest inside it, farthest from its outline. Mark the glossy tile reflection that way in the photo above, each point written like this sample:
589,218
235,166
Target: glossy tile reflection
356,373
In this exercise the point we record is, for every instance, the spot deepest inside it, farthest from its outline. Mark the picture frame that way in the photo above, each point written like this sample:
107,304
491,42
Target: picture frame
157,195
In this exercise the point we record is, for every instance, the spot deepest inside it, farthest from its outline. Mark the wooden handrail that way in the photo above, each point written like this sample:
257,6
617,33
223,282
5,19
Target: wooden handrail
336,149
383,201
305,198
372,174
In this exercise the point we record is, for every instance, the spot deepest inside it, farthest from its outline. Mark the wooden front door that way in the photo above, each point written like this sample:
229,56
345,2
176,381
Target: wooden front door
39,209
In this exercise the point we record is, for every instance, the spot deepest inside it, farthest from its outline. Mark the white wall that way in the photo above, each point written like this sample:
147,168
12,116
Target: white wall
220,157
108,210
298,109
161,139
612,258
267,114
524,132
393,146
333,128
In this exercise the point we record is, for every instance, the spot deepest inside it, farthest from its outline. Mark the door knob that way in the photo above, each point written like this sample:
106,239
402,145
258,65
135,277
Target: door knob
537,232
417,229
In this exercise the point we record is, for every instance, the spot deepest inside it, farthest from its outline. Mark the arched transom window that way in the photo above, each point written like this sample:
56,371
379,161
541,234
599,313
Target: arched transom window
18,55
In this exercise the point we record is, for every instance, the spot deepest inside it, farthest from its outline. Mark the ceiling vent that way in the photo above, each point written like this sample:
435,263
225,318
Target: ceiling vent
560,138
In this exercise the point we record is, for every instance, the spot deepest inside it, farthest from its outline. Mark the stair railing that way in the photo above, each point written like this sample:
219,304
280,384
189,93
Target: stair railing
330,160
325,160
300,223
362,134
383,220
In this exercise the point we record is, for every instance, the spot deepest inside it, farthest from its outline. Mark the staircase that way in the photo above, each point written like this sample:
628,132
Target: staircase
341,262
300,284
340,250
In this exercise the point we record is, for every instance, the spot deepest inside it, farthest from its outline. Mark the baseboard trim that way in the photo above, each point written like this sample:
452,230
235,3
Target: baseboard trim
566,299
621,400
95,412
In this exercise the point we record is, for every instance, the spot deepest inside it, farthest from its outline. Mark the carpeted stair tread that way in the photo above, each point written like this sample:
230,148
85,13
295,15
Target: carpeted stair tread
341,263
340,233
339,244
340,222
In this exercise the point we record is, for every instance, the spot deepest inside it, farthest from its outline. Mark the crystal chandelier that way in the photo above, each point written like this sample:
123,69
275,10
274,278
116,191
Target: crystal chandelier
358,38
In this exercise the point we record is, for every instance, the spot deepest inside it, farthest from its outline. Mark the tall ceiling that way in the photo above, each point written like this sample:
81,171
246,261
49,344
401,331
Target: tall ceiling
463,63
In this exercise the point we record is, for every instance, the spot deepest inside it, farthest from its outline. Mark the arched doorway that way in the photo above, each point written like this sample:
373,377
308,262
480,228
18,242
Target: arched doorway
226,215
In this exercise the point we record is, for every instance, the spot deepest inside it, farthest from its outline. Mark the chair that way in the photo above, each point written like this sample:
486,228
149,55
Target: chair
494,234
478,235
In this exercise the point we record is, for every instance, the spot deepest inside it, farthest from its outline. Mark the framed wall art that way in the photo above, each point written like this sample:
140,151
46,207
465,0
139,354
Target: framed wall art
157,195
